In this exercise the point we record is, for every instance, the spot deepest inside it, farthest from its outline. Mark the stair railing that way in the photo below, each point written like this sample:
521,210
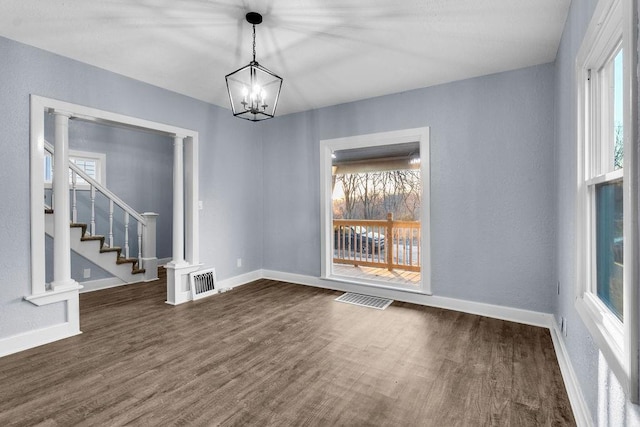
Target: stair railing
146,222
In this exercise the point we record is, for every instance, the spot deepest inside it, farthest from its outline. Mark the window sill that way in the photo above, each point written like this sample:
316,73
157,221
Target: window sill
53,296
375,284
607,332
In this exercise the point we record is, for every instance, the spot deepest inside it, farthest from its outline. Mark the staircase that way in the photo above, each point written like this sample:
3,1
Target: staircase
100,249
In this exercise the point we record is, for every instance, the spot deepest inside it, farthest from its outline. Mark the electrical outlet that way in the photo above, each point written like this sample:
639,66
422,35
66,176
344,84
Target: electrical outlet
87,273
563,326
200,205
239,262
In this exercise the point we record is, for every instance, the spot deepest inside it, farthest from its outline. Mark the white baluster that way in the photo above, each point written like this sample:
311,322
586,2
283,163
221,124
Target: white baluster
74,202
110,223
126,235
93,210
139,242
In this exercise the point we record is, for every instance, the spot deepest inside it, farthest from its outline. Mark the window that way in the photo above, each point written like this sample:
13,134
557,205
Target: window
375,204
606,286
93,164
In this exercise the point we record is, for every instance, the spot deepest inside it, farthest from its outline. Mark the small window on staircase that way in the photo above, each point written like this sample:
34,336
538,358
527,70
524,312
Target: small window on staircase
93,164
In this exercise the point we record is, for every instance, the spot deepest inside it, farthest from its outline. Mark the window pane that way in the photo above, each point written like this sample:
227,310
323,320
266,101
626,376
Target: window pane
618,151
609,245
48,168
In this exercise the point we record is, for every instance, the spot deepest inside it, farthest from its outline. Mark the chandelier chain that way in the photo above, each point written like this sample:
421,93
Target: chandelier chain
254,43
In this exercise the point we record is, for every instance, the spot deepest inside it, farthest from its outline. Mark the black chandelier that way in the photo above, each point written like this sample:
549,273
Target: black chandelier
253,90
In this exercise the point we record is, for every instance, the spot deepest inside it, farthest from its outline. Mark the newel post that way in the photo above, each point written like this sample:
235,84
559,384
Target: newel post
149,258
389,241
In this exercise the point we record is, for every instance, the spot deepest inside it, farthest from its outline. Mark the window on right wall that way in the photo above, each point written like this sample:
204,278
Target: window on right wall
607,222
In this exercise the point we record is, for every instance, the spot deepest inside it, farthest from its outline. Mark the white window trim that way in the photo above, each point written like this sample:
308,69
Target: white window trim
101,166
327,147
612,20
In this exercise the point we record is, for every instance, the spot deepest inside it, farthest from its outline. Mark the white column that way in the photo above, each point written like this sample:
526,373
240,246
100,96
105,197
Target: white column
178,202
62,232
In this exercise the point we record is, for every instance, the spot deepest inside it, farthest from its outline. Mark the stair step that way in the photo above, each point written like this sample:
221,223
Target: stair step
103,249
92,238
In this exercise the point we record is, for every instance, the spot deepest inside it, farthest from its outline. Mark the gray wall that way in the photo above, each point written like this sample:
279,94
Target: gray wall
230,165
492,179
604,396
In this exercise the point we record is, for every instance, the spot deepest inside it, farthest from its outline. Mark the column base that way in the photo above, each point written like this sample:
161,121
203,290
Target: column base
178,289
62,285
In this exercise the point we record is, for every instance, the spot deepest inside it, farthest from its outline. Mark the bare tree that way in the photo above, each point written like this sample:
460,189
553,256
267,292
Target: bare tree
350,184
372,195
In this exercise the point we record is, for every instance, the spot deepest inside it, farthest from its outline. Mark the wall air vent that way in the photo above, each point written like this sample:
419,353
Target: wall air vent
203,283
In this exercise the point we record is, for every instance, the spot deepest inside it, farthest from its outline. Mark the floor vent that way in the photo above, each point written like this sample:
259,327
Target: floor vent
365,300
203,283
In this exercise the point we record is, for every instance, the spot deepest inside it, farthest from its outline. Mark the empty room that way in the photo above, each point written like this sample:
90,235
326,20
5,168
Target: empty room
278,212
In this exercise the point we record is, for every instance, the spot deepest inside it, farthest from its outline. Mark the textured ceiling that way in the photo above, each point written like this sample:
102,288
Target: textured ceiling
328,51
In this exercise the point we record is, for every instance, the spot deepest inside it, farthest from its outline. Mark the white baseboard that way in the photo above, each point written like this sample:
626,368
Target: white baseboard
243,279
576,398
96,285
495,311
36,338
163,261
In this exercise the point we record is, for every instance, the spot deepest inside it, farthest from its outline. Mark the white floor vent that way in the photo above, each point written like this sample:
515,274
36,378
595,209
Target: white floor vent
203,283
365,300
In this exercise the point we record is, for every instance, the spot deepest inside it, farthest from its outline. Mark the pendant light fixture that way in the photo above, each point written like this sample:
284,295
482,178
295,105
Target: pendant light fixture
253,90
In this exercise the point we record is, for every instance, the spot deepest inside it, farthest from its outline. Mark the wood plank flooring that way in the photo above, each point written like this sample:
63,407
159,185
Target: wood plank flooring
278,354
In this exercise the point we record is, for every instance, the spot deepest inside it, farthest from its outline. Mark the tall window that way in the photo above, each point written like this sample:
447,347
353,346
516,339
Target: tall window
374,209
604,175
605,234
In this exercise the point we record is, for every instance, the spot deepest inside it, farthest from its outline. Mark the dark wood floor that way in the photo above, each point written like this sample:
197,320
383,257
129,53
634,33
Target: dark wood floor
272,353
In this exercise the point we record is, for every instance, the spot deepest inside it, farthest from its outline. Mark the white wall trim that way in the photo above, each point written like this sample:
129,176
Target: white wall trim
163,261
36,338
243,279
576,398
518,315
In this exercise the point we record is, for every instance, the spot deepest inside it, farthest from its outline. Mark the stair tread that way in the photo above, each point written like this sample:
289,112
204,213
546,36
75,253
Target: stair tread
119,260
113,249
92,238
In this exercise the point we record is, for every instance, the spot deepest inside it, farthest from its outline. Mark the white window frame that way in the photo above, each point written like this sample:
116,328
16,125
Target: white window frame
327,147
612,26
101,169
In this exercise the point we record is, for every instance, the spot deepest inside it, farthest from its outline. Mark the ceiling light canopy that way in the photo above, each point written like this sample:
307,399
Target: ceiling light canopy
253,90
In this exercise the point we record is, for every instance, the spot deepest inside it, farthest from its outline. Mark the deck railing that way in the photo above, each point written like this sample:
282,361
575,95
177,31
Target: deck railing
377,243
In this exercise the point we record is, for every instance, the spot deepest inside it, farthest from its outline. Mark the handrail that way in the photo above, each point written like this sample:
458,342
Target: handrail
110,195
